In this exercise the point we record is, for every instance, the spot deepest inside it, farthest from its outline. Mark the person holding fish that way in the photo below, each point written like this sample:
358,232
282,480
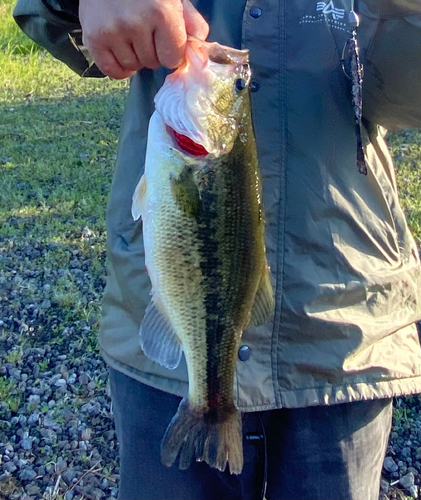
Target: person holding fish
263,285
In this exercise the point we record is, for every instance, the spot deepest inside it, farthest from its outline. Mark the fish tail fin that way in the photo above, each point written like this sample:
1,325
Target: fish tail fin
200,436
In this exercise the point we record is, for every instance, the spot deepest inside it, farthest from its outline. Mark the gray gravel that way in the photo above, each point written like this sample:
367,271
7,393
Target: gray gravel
57,437
61,439
402,465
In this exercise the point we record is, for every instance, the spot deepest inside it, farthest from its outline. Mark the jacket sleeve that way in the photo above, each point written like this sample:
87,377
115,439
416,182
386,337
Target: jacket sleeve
392,65
54,24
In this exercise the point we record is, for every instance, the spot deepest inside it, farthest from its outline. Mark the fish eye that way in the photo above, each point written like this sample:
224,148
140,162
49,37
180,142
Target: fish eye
240,84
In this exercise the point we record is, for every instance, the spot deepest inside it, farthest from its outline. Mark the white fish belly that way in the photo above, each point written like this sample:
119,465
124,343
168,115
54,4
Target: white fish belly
173,258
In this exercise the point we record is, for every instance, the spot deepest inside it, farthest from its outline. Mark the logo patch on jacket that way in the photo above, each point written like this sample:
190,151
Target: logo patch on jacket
327,13
329,8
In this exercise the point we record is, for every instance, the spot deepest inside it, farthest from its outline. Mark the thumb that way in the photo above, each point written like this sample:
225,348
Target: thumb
195,24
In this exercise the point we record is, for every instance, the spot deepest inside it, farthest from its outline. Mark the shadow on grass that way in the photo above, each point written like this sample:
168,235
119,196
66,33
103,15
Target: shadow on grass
57,158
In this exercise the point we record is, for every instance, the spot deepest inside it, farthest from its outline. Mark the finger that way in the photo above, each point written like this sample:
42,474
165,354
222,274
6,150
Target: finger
195,24
170,38
109,65
126,56
145,51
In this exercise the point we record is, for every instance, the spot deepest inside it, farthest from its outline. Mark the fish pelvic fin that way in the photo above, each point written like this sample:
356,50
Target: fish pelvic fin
264,302
139,199
196,436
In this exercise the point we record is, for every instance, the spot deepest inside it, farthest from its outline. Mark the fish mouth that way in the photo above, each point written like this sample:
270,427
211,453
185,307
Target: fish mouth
221,54
185,144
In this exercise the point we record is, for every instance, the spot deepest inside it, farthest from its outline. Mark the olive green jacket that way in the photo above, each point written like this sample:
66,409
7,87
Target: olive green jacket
345,268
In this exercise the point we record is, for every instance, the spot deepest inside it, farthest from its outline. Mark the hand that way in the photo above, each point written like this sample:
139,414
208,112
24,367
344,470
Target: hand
124,36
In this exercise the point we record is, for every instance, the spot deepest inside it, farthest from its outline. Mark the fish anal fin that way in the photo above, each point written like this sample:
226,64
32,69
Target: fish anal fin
264,302
158,339
139,199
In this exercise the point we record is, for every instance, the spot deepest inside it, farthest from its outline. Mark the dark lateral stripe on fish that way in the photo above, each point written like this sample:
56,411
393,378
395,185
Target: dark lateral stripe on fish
209,265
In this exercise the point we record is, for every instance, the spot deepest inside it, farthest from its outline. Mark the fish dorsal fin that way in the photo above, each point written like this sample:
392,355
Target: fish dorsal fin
139,199
158,339
264,303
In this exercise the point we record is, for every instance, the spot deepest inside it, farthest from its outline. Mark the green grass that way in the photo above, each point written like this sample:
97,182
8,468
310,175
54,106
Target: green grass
28,73
406,151
9,393
12,40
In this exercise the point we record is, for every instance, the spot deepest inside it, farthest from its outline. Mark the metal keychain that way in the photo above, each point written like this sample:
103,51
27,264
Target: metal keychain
351,49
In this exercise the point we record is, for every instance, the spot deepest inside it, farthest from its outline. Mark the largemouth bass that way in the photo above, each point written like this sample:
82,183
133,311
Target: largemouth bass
203,230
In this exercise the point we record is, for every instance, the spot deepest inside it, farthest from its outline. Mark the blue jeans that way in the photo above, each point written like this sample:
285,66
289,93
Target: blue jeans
315,453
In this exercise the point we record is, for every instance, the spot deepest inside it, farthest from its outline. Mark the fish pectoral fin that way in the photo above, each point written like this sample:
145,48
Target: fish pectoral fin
186,193
158,339
139,198
264,303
